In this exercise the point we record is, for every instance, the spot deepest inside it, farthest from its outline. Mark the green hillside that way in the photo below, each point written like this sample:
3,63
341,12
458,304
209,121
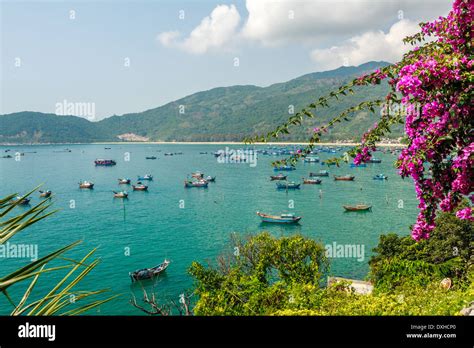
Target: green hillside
219,114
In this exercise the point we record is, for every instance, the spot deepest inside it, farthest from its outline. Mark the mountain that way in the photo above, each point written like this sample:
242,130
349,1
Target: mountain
219,114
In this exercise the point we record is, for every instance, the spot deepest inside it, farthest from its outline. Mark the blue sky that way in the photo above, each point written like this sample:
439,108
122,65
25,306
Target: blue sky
48,57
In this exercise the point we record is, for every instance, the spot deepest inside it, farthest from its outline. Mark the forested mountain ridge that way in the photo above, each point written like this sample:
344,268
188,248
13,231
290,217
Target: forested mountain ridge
219,114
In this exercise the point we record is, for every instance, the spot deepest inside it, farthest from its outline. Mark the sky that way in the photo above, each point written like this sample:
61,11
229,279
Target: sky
130,56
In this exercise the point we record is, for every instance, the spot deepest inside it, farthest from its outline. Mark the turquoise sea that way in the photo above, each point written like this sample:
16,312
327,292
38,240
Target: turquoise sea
182,224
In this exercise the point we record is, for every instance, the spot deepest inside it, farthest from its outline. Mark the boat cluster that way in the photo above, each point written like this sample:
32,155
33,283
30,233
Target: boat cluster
198,179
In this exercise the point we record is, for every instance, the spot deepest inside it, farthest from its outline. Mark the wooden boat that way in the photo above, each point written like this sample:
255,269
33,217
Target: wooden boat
291,185
380,177
139,187
121,194
22,201
86,185
357,207
200,183
284,168
312,181
320,173
197,175
344,178
147,273
278,177
375,160
151,157
328,163
282,219
210,178
146,177
45,194
124,181
105,162
311,159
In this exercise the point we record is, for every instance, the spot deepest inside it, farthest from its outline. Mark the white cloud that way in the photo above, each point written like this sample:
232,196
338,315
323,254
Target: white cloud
214,31
354,27
167,38
274,22
372,45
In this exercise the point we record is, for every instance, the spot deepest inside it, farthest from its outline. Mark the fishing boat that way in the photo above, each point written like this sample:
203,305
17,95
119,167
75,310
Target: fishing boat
200,183
210,178
145,177
380,177
375,160
344,178
45,194
358,207
362,165
7,156
328,163
311,159
312,181
120,194
278,177
282,219
150,157
86,185
139,187
147,273
124,181
105,162
168,154
197,175
284,168
22,201
288,185
320,173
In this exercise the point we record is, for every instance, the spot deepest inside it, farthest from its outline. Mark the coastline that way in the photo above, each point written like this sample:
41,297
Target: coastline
205,143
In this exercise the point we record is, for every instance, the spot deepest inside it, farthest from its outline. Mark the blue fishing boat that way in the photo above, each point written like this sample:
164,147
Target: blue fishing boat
380,177
145,177
284,168
282,219
362,165
375,160
21,201
287,185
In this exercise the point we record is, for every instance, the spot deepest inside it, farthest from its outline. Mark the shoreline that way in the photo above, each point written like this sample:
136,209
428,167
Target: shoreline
206,143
